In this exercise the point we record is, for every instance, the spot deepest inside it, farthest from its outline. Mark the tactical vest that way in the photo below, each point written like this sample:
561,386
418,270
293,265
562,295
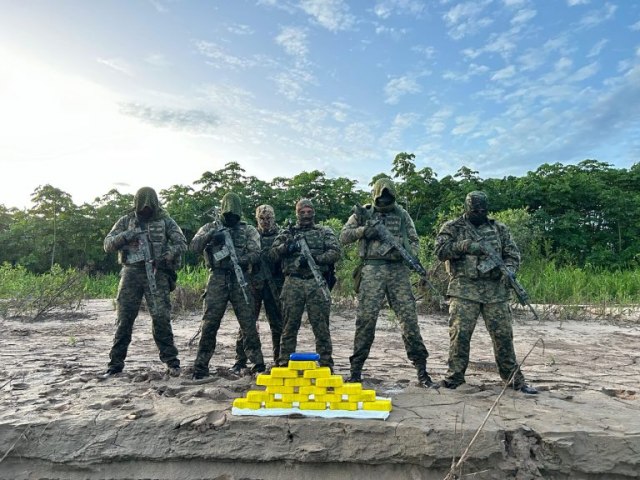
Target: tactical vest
467,266
315,237
239,239
157,231
374,249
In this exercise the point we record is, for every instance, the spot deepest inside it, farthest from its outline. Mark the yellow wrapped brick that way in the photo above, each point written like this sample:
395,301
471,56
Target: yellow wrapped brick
320,372
349,388
277,404
352,406
244,403
266,379
281,389
257,396
332,398
332,381
312,390
313,406
295,397
297,382
283,372
302,364
364,396
381,405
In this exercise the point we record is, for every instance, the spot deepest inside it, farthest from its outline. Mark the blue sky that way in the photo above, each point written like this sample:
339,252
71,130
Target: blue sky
123,93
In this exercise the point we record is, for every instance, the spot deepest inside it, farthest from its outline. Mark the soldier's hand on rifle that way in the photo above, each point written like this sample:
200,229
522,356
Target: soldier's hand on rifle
370,232
303,262
131,234
292,247
217,238
469,246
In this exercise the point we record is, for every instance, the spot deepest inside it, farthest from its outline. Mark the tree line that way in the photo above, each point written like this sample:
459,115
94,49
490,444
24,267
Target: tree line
587,214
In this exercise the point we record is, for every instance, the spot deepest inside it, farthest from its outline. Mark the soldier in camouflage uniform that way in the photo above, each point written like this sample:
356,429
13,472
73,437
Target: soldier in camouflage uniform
300,287
167,244
473,293
266,284
223,286
383,275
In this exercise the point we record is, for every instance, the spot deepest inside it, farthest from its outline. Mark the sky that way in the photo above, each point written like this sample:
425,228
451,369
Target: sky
96,95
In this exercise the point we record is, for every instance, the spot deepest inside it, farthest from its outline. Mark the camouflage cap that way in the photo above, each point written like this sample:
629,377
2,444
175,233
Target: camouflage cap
230,203
304,202
264,210
476,200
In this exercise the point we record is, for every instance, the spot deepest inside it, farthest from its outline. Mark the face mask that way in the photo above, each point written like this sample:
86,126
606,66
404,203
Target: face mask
231,219
145,213
385,199
305,217
477,217
266,223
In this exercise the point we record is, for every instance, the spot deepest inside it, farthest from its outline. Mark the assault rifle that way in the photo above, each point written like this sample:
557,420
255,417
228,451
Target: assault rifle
388,240
265,269
149,265
313,266
228,250
494,260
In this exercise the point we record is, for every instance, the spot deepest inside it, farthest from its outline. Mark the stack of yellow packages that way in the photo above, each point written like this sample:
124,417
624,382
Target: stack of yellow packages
304,388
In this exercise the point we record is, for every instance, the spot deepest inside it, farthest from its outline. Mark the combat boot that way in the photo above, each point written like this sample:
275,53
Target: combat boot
423,377
528,389
259,368
356,377
237,368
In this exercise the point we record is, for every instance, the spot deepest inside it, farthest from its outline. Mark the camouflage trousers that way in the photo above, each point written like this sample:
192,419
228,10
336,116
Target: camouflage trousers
223,288
262,295
390,280
133,286
463,316
296,294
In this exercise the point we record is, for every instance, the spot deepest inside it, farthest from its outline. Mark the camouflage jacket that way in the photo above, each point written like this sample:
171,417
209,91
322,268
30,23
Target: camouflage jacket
164,234
399,224
323,245
246,242
465,280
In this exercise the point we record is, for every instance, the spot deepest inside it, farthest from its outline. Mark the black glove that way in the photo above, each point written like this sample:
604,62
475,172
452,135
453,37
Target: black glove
370,232
131,234
217,238
302,262
293,247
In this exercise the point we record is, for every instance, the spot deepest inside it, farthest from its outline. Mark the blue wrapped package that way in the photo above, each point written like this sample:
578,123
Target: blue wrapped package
303,356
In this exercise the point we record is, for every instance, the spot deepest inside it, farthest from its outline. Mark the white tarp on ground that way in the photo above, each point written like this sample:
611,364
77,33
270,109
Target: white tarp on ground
278,412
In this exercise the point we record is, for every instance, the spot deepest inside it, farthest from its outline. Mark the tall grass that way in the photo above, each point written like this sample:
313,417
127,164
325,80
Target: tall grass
545,282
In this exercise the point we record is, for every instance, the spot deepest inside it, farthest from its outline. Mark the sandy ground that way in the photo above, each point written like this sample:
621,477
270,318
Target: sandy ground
59,420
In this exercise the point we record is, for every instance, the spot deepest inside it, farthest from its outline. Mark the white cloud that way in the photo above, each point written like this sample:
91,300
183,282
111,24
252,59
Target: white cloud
465,124
438,121
466,18
597,48
504,73
385,8
573,3
193,120
240,29
117,64
523,16
585,72
400,86
598,16
635,27
294,41
428,51
292,83
218,58
401,123
331,14
473,70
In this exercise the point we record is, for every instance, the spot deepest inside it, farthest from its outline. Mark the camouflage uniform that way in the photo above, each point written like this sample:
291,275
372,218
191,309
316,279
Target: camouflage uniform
223,287
300,287
266,285
385,275
167,244
473,292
